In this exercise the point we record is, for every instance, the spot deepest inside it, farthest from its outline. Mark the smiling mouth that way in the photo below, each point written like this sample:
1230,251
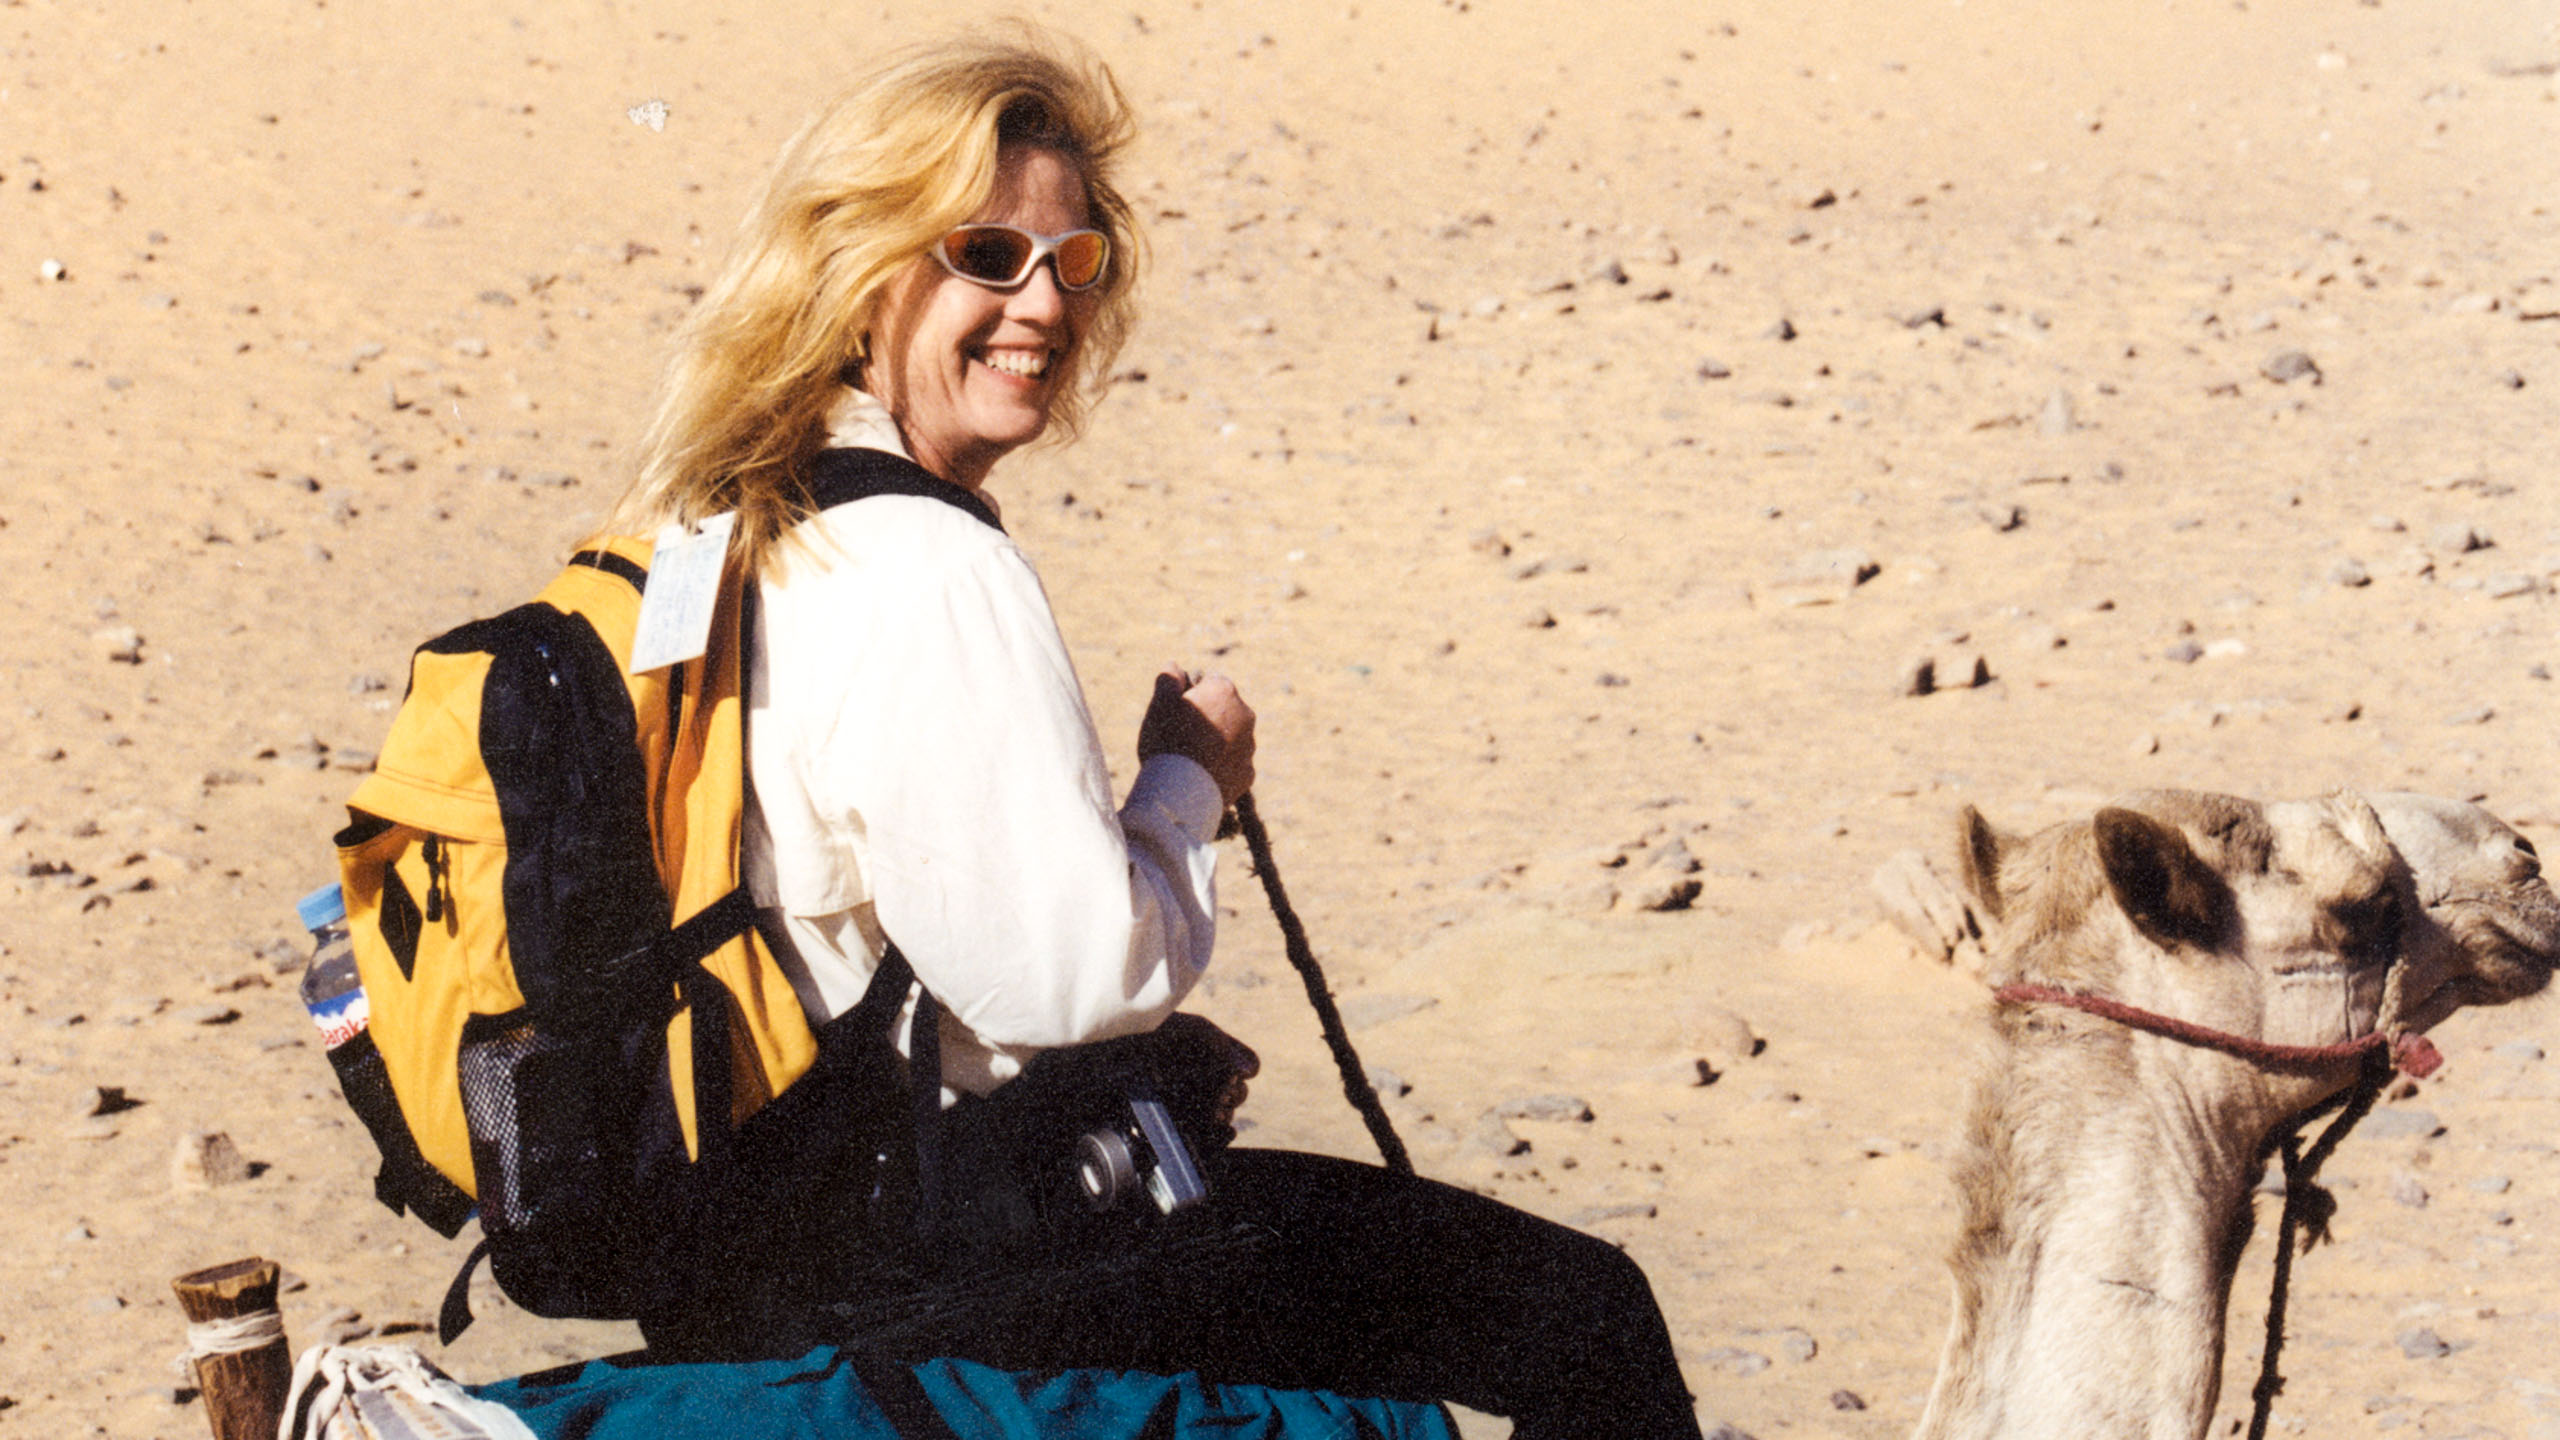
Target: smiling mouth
1020,364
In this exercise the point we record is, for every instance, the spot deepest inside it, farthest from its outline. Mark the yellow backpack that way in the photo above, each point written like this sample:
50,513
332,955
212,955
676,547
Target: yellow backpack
572,1009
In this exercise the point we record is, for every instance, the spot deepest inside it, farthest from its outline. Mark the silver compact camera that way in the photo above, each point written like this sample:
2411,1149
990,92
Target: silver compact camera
1141,1151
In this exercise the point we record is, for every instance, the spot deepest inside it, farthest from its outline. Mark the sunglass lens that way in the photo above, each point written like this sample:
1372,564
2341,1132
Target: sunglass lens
1081,257
988,252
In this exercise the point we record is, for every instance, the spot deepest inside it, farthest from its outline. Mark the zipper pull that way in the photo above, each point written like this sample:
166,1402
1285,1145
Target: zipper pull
439,869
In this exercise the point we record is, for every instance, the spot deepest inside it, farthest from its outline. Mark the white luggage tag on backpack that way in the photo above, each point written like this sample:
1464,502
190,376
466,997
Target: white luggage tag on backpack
684,585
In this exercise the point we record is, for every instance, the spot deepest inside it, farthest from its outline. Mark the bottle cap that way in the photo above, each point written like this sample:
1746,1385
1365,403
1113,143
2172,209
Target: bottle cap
324,906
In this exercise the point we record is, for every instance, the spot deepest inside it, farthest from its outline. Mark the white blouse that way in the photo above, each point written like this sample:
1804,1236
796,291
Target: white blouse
922,766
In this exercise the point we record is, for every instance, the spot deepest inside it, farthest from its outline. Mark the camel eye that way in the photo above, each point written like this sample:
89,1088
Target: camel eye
2372,924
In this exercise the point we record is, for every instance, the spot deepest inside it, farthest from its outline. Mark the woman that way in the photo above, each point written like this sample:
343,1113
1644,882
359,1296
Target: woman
941,270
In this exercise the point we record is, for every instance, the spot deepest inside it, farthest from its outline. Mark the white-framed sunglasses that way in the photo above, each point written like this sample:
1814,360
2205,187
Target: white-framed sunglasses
1001,257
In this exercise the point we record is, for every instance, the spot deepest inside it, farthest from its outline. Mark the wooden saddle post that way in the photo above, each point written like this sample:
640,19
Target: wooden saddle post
236,1338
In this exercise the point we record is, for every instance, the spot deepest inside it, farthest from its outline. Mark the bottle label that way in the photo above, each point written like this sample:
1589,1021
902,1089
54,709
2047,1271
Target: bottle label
342,1018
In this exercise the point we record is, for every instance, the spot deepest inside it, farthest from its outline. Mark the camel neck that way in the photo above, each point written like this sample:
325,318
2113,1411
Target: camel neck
2102,1226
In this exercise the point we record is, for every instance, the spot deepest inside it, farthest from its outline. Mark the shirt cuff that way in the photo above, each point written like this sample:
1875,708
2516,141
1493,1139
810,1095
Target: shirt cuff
1180,787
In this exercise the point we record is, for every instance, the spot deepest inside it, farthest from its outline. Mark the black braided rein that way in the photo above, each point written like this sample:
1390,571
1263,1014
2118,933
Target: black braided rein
2307,1208
1355,1081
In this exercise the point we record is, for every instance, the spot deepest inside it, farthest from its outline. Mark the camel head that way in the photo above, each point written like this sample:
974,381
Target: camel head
2106,1168
2270,922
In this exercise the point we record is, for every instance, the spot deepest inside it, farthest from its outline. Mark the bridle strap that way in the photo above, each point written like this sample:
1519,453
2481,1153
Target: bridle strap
2411,1054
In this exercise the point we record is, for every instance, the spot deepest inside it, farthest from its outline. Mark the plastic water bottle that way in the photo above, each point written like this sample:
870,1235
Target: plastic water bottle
331,989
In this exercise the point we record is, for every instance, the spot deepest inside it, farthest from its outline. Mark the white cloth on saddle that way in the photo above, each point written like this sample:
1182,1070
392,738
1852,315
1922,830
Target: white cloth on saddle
386,1392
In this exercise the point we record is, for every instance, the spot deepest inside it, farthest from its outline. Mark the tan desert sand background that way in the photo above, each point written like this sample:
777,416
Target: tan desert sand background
1464,431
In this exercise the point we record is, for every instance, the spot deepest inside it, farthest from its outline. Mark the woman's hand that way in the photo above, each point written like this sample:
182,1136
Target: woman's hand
1205,721
1202,1059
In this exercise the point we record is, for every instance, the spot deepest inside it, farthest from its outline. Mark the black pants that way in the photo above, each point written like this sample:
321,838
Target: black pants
1303,1272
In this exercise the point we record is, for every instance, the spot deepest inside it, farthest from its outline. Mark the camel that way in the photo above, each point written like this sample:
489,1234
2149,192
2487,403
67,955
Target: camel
2106,1171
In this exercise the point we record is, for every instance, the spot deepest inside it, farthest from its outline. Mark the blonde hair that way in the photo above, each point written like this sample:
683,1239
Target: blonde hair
859,195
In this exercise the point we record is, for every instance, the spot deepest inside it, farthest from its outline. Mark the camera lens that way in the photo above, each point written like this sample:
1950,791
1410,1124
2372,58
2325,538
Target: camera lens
1105,1170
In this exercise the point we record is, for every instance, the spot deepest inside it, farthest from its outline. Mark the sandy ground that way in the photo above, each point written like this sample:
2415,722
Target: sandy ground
1466,431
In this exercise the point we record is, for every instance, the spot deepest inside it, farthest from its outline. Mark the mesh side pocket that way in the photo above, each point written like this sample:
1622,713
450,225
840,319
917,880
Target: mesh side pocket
552,1125
491,1063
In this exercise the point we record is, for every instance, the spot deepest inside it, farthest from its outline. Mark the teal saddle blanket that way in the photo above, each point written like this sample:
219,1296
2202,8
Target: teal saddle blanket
821,1394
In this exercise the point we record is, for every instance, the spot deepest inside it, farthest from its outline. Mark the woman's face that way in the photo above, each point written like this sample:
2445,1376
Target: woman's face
970,372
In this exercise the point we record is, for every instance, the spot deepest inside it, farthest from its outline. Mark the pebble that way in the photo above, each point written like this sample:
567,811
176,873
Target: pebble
2406,1190
2491,1185
341,1325
119,643
2423,1344
2185,652
101,1100
2056,418
206,1159
2521,1050
2286,366
1735,1360
471,347
1493,1137
1726,1038
2458,537
2509,584
1387,1082
53,272
2002,517
103,1304
2510,379
1916,677
1794,1342
1848,1400
1714,369
2476,715
2393,1123
1673,855
206,1015
1785,329
1659,890
1823,577
1727,1430
2350,572
1600,1214
1545,1107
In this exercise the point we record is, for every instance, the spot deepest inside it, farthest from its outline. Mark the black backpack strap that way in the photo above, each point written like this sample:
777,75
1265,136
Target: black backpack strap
632,573
683,952
924,1097
455,1316
838,477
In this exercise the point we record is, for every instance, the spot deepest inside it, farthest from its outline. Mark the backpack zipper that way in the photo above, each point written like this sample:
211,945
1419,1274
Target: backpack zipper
439,860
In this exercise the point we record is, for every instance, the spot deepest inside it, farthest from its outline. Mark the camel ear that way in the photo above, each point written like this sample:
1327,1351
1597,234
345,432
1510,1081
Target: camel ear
1978,853
2171,896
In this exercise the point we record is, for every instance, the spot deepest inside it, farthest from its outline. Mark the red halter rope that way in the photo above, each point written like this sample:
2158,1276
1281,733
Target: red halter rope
2411,1054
